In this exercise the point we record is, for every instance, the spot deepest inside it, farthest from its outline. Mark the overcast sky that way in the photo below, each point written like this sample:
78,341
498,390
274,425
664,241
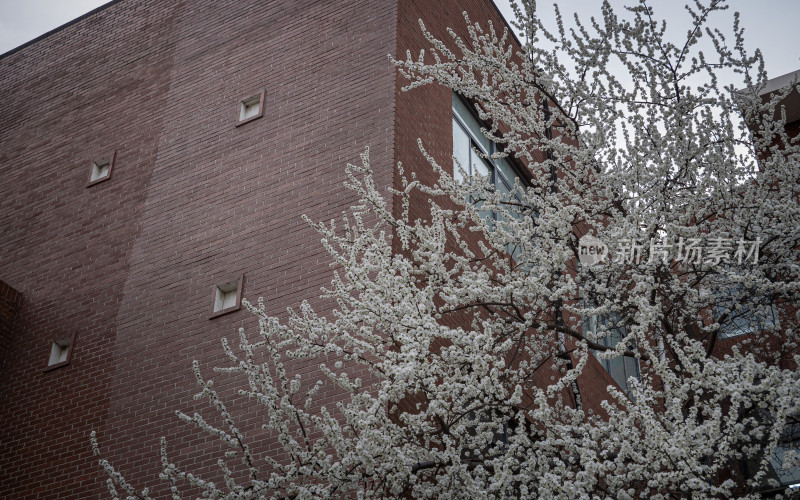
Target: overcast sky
769,24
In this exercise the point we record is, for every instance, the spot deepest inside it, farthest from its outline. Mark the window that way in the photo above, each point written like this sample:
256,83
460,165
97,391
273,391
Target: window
468,140
60,352
789,441
472,153
227,297
101,169
742,310
501,427
250,108
621,368
778,470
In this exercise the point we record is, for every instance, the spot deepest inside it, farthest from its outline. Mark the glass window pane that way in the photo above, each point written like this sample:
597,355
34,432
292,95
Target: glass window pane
617,370
506,171
471,122
518,212
461,151
753,313
479,166
502,187
621,368
785,476
469,144
515,251
631,368
486,215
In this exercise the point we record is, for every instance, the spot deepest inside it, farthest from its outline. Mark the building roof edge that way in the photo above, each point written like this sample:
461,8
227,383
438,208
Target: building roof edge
59,28
505,21
779,82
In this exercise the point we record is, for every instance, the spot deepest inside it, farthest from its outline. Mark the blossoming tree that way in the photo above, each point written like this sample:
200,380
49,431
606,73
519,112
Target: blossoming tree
472,329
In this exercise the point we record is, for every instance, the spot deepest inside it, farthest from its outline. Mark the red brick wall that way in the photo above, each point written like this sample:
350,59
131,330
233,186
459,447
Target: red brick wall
94,87
129,263
9,304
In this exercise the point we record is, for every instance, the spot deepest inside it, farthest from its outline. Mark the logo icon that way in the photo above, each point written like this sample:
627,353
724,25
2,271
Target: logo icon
591,250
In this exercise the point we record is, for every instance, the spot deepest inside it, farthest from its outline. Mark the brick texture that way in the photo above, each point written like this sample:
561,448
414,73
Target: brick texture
10,300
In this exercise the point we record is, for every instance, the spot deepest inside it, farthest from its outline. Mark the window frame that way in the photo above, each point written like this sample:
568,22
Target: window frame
497,175
495,172
788,478
747,320
606,340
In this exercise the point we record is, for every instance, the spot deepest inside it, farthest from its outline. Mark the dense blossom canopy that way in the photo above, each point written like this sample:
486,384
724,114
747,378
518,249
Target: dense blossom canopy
472,359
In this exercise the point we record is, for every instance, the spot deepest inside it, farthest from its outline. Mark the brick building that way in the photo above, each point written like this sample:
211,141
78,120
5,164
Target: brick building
156,159
791,103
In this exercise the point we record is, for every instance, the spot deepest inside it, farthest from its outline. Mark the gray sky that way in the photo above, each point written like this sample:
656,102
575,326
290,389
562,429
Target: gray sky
769,24
24,20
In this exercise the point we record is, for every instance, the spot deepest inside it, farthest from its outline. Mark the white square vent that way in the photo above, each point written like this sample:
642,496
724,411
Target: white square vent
227,297
101,169
250,108
60,352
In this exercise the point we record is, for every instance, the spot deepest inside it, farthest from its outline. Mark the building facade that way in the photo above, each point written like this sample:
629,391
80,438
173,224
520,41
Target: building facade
156,160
